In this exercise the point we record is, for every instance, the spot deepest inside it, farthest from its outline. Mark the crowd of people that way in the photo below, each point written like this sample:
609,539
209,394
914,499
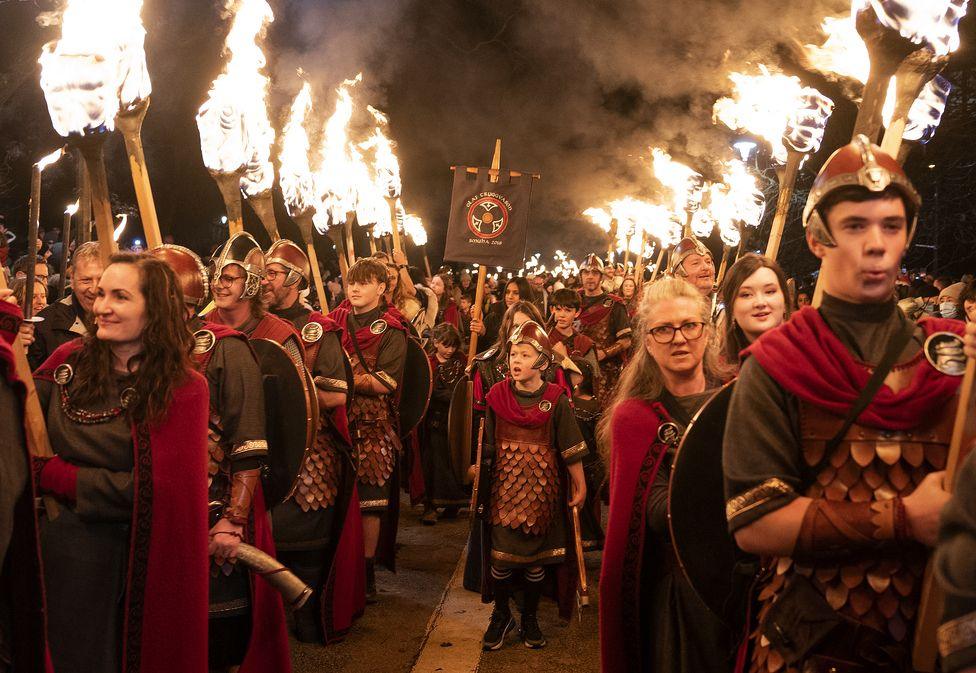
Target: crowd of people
201,413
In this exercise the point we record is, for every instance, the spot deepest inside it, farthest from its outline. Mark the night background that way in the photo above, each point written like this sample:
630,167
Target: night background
578,91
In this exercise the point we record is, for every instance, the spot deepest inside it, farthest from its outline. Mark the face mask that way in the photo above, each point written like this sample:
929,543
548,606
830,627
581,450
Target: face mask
948,309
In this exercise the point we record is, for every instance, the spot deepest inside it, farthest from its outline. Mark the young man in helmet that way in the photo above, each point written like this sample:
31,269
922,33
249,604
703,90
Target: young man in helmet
530,436
838,484
237,452
310,526
692,261
375,339
603,318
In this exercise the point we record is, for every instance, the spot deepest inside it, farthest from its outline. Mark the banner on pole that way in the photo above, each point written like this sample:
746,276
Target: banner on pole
489,220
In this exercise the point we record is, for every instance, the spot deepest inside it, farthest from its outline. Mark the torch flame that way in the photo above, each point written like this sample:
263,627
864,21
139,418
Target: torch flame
386,166
777,108
123,220
926,112
600,218
98,65
50,159
414,227
233,124
843,53
72,208
294,173
340,160
933,23
685,184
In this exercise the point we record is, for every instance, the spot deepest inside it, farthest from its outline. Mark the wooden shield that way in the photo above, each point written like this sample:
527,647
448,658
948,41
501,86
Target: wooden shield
717,570
291,417
459,424
417,386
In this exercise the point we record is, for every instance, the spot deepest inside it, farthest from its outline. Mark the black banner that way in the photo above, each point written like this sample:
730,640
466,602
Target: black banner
489,220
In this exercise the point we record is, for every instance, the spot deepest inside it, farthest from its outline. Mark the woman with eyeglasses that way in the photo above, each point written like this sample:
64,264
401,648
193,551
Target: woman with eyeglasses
650,618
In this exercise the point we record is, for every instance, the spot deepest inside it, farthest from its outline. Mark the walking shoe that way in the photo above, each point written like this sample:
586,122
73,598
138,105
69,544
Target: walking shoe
500,625
531,633
429,517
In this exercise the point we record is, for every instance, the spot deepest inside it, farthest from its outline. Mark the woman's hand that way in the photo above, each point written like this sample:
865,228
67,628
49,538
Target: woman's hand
399,258
224,538
26,333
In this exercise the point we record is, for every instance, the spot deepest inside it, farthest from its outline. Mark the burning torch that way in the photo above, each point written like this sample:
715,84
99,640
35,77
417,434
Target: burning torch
924,116
34,224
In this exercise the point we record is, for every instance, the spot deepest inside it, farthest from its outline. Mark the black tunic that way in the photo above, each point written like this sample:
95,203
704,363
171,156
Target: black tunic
441,484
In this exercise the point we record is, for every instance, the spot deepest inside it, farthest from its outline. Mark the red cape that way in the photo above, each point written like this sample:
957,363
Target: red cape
808,360
167,583
452,315
597,311
503,401
364,335
634,461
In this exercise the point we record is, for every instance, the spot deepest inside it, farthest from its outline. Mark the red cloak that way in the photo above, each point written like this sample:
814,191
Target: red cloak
635,458
597,311
165,625
808,360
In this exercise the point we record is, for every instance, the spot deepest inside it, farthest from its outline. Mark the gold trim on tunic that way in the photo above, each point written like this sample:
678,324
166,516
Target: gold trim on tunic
574,451
248,448
756,496
374,503
957,634
386,378
514,558
325,382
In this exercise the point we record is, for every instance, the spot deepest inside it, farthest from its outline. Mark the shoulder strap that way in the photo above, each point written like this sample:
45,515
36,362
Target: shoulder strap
871,388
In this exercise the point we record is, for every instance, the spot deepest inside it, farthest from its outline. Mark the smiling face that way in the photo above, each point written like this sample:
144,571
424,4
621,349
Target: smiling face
759,304
870,237
84,281
228,287
277,294
700,272
681,356
120,306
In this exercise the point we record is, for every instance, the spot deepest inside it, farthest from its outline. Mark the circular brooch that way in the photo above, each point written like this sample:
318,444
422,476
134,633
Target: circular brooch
127,397
944,351
63,374
608,303
545,405
312,332
668,433
378,326
203,341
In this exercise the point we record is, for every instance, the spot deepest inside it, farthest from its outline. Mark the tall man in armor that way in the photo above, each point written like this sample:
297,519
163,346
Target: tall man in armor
375,339
310,526
692,261
834,477
603,318
237,451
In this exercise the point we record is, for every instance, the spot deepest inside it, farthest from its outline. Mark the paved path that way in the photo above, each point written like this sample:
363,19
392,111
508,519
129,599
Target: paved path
426,622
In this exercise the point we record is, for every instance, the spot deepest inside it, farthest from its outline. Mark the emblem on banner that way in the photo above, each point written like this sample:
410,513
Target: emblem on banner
487,216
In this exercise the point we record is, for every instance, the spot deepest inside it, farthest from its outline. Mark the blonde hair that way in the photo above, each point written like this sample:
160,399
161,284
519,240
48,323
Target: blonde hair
642,378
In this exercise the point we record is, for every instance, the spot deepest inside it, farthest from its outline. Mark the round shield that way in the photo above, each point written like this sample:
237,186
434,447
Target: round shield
291,416
717,570
459,428
417,386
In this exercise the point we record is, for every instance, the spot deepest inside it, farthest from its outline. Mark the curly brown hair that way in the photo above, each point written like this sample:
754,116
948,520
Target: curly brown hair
163,364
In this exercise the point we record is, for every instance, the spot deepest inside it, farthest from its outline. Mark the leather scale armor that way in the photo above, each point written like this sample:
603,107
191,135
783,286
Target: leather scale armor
525,492
374,433
610,368
877,587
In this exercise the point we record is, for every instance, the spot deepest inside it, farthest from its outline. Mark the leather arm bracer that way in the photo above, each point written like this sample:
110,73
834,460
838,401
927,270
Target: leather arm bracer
242,486
833,529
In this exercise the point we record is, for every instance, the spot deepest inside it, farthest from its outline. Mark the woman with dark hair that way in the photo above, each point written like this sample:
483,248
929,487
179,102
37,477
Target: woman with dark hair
628,292
515,290
755,298
441,485
448,298
650,617
125,561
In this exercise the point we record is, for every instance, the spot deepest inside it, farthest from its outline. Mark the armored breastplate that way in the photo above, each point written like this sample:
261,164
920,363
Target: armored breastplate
374,434
218,461
599,332
525,489
879,588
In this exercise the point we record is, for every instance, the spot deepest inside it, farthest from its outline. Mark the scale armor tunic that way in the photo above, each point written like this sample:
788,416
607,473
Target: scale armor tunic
607,331
878,587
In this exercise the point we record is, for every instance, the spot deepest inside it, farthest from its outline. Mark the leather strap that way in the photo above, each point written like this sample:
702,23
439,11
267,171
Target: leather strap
243,483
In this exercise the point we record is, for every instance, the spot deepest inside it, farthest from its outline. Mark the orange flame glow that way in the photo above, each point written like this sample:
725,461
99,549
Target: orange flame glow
294,173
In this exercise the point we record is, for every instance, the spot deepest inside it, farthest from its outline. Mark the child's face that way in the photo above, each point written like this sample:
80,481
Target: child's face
444,352
564,316
465,304
520,360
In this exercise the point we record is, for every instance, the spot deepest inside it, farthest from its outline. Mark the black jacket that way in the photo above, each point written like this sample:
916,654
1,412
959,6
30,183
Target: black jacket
63,321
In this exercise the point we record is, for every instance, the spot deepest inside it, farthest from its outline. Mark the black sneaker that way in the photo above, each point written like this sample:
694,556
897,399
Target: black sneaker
531,633
500,626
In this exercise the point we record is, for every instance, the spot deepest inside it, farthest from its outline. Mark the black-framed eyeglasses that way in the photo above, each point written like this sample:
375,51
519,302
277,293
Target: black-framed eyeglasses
664,334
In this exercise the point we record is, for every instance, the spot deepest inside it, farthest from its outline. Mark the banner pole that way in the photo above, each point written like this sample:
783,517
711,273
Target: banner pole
479,294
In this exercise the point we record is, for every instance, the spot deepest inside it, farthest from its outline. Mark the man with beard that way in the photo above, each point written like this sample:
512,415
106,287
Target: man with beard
236,448
375,339
318,528
837,435
603,318
692,261
69,318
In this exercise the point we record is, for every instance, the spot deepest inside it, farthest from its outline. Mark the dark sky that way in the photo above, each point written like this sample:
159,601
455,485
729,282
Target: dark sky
577,90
